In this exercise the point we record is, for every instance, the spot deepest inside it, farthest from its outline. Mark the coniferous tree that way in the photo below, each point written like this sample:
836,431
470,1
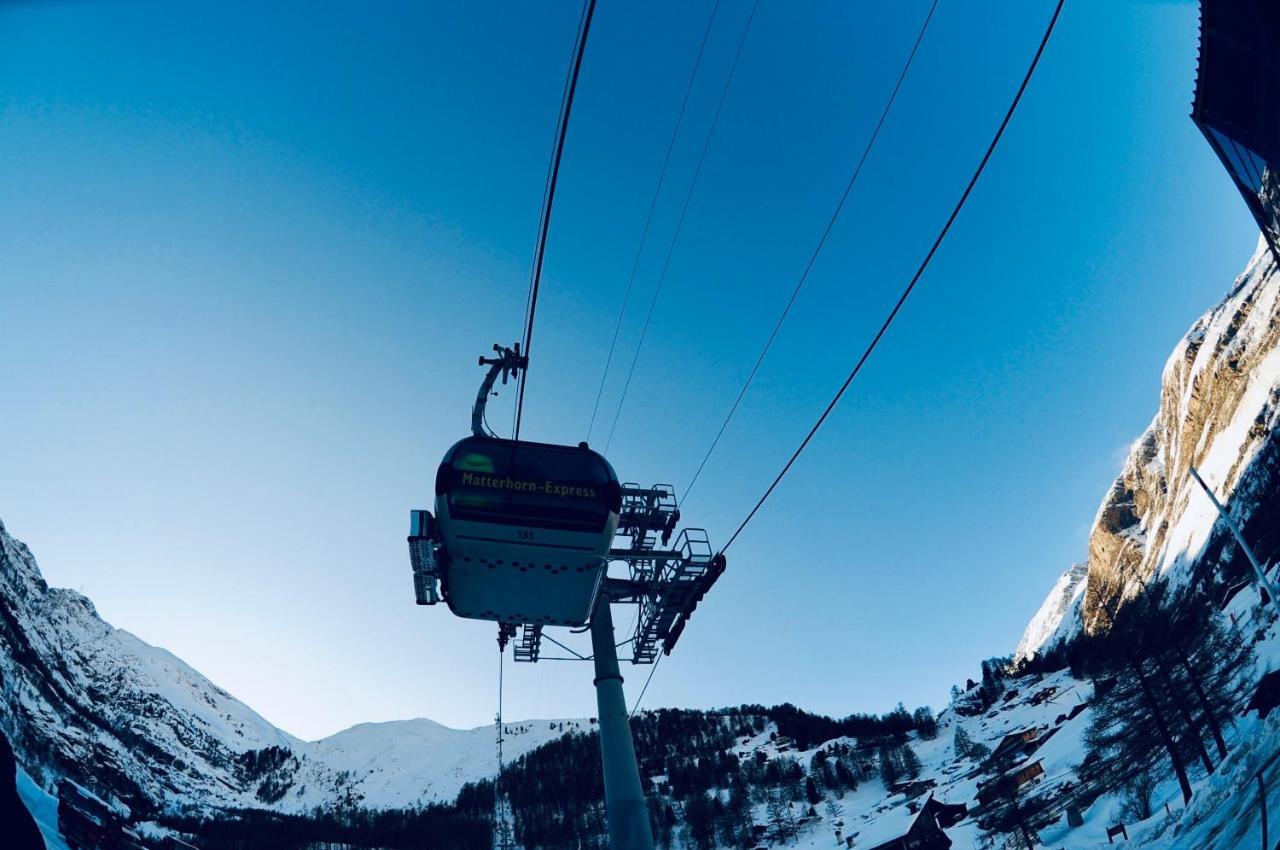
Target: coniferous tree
699,822
926,724
1174,672
782,822
736,827
963,743
846,776
1013,811
910,762
889,770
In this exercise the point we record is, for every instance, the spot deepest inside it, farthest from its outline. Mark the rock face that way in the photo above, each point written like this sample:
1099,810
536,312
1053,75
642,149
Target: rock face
77,692
1219,411
82,700
20,828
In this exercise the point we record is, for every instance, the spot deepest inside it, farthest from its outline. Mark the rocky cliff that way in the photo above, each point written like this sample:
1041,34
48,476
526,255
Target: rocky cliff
1219,411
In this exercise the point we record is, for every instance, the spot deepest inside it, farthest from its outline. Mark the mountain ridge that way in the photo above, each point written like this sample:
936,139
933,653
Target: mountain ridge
1219,410
142,728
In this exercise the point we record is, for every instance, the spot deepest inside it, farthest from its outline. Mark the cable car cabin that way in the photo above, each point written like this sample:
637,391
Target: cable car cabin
526,529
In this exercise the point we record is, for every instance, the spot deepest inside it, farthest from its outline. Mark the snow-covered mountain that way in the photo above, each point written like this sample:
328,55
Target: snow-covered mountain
147,733
1220,412
1057,617
136,728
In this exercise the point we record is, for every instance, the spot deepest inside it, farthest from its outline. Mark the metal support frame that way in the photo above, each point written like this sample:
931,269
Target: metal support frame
667,590
625,806
664,584
1258,571
530,646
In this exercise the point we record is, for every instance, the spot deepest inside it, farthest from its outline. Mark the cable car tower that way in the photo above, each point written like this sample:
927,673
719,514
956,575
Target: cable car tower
524,533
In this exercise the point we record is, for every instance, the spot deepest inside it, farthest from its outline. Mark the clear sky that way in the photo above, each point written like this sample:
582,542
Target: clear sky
249,257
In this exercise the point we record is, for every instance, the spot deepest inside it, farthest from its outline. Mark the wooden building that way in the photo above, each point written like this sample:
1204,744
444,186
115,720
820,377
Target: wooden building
1021,777
1015,742
902,829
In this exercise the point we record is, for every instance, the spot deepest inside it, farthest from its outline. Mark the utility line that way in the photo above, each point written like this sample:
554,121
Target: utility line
500,803
675,236
652,670
884,327
822,241
553,175
546,185
648,220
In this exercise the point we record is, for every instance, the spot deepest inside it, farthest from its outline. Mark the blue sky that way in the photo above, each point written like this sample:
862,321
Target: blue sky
251,255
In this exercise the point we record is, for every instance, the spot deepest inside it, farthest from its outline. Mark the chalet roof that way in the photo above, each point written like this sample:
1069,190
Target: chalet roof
893,824
1021,735
1026,765
1016,739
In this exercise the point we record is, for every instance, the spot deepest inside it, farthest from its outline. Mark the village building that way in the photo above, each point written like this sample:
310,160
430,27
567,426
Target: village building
1016,742
1021,777
902,829
1072,714
912,787
1267,696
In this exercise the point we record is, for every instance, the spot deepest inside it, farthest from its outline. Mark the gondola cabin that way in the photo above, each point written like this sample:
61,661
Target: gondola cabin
525,529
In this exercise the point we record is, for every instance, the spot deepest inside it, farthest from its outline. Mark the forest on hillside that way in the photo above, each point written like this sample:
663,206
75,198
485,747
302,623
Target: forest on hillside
557,800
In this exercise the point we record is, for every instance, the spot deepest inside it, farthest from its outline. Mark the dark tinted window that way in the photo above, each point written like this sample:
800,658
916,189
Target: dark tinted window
559,465
522,484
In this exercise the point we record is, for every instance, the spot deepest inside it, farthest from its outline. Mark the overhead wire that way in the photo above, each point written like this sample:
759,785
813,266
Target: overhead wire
648,220
546,186
684,209
640,698
549,194
862,159
499,802
928,258
822,241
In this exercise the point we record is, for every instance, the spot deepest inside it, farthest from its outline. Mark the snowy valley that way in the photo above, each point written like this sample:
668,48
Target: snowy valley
158,752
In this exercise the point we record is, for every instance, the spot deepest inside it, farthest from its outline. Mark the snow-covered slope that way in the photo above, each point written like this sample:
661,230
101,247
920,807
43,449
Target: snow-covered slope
146,732
79,692
872,814
1219,411
1057,615
404,763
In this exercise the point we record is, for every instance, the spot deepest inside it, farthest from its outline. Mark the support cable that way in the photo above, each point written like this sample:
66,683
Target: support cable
675,236
652,670
553,176
577,655
503,825
648,219
897,307
822,241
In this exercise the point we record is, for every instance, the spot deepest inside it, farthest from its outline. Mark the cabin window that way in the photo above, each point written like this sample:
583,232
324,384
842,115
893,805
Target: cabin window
525,484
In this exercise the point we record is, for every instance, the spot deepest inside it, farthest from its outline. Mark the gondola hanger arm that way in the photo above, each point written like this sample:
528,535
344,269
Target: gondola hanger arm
508,364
